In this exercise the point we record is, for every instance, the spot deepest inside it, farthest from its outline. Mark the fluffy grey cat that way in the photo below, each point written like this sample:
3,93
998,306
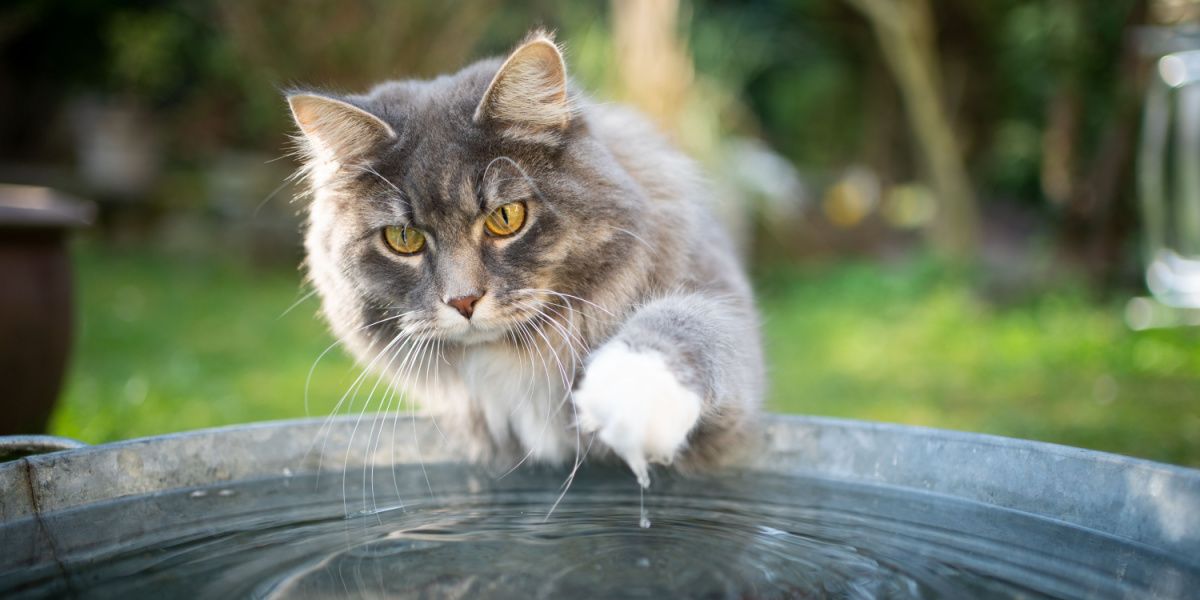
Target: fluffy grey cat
540,272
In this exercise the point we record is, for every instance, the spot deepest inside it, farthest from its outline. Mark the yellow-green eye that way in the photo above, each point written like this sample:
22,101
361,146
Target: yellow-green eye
404,239
506,220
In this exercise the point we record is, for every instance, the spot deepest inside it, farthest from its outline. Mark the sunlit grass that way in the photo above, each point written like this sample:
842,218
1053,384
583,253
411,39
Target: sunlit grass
915,345
171,344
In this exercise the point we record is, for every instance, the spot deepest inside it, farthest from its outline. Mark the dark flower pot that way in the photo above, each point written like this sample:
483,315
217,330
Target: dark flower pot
36,315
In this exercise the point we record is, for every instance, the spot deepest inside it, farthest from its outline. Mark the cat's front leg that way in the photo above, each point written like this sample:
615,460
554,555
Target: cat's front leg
683,370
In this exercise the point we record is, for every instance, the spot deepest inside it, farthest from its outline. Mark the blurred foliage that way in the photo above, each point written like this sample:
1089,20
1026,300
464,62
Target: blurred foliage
1037,90
170,344
805,74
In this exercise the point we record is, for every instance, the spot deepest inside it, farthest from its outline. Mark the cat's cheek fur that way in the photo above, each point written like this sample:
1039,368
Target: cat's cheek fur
633,402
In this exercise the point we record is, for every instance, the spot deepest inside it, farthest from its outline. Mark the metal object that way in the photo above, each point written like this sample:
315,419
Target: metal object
1169,184
1154,504
13,447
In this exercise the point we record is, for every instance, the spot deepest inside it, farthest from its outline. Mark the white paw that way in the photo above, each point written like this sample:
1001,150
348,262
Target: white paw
634,403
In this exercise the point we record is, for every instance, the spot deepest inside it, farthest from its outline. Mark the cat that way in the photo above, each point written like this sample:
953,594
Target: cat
540,271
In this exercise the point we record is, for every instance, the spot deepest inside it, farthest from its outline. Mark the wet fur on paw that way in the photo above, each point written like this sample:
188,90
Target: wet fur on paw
632,401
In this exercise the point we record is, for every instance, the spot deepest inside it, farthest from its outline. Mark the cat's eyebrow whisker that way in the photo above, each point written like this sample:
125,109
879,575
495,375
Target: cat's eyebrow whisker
403,197
632,235
332,182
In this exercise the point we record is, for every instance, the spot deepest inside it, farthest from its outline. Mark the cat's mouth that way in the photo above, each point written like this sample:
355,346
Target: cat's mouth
486,325
480,328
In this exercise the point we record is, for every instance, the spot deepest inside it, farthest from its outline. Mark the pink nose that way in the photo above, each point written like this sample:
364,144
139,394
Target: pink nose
465,305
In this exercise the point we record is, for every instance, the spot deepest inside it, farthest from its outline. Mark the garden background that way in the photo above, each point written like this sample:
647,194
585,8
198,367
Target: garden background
938,199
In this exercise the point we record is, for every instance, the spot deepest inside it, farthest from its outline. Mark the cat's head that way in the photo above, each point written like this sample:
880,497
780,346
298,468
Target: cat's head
460,207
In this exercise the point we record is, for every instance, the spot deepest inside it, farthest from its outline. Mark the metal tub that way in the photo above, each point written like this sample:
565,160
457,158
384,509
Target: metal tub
71,521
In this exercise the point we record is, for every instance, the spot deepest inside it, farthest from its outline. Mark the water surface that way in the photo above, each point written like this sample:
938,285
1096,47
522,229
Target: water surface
452,531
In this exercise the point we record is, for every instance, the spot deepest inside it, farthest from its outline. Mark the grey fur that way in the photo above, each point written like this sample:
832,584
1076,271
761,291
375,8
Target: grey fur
617,223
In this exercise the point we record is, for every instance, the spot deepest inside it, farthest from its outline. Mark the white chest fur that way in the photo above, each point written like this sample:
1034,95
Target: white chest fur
519,395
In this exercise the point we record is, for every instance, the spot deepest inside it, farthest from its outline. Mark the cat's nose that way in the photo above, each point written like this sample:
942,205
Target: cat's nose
465,305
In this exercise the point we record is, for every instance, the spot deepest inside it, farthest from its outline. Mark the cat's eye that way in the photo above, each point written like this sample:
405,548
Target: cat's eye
506,220
404,239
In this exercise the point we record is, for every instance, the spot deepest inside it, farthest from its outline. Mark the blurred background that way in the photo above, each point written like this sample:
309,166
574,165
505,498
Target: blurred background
973,214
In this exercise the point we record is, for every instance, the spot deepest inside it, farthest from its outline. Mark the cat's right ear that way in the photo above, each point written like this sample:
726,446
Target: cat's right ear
337,130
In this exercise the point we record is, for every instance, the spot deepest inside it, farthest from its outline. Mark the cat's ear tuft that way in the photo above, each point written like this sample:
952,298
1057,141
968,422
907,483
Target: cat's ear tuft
528,96
335,129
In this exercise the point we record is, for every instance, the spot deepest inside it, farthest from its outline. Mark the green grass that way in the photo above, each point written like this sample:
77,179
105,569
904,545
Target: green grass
171,344
915,345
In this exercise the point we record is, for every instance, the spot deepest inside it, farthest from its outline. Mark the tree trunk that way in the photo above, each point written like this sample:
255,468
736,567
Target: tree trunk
904,29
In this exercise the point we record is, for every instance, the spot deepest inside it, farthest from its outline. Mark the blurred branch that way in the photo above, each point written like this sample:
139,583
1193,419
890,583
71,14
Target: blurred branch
904,30
654,66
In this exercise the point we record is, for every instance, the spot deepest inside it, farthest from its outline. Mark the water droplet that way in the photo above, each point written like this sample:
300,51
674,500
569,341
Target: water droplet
198,494
644,522
643,562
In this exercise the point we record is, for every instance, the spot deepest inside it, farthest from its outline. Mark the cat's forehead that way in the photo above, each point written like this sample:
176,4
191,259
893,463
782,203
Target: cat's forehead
436,109
442,160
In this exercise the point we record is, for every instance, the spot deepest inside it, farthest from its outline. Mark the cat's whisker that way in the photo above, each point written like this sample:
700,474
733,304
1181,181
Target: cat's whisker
567,296
338,341
566,326
372,434
551,409
403,372
402,199
416,438
356,387
395,420
329,419
532,344
571,337
393,395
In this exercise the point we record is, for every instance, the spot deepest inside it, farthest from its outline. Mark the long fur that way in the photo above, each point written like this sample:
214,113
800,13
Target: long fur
619,247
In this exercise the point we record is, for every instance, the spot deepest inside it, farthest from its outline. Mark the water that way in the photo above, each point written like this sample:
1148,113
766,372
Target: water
466,534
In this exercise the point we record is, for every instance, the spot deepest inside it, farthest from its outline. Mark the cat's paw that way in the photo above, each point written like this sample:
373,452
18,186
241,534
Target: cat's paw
633,402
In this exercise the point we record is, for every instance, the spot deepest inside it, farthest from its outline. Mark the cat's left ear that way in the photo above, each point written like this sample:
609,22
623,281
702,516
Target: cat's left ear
337,130
528,97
